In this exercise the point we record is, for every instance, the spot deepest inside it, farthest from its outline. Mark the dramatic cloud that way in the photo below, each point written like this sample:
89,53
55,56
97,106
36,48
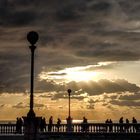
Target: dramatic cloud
131,97
126,103
104,86
81,90
71,33
21,105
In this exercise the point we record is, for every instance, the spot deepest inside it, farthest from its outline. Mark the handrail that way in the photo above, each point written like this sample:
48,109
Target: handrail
78,128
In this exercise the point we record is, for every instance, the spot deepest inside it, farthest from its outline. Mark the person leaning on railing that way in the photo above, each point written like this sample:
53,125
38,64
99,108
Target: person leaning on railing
84,125
58,124
127,126
43,125
135,127
19,124
50,123
121,124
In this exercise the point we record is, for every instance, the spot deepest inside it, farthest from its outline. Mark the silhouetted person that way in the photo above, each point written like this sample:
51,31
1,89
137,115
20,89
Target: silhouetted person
107,121
50,123
121,120
58,124
43,124
127,125
19,124
85,125
121,124
107,127
134,121
110,125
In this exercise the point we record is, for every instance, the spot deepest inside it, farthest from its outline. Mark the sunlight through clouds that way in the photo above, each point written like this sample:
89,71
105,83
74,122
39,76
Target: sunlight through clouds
77,74
89,46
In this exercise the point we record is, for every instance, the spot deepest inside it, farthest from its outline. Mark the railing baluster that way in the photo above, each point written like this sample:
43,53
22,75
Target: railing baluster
90,127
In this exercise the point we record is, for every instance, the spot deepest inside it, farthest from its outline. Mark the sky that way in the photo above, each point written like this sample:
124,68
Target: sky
89,46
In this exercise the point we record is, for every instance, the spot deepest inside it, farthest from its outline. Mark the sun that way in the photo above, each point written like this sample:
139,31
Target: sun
81,76
76,74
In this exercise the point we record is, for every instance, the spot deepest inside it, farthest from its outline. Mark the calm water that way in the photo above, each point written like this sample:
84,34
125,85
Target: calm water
64,121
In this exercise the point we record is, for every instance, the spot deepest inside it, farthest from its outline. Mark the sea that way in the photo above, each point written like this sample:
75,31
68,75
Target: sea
64,121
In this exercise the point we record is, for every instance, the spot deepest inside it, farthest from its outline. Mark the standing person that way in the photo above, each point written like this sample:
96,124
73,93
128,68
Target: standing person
50,123
107,127
17,125
127,125
134,121
84,124
110,125
107,121
43,124
20,125
58,124
121,124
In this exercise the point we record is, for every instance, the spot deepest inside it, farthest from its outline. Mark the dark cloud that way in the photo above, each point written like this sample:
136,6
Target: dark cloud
67,12
91,87
126,103
72,32
131,97
21,105
57,91
57,74
64,95
91,106
14,15
104,86
104,55
49,86
101,6
39,105
45,96
2,105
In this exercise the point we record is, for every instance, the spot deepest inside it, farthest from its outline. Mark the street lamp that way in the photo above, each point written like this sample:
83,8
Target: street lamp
69,92
31,122
32,37
69,119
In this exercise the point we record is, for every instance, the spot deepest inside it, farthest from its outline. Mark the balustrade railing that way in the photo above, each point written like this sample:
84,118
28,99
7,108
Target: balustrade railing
78,128
7,128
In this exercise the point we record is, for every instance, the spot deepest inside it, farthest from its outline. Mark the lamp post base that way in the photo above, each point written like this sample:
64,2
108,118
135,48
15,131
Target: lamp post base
31,114
31,126
69,124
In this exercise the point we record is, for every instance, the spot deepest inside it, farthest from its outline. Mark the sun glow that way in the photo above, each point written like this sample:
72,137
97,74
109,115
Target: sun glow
82,73
81,76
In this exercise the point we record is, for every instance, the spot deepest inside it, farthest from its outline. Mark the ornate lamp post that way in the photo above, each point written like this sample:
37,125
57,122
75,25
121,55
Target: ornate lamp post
69,92
32,37
69,119
31,122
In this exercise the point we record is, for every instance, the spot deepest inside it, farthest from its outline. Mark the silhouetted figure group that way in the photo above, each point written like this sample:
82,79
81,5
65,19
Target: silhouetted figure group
124,126
50,125
19,124
109,121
